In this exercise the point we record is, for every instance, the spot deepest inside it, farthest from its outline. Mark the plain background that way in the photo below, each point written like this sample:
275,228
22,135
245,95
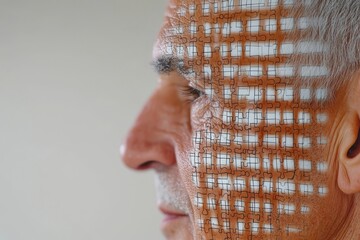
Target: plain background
73,76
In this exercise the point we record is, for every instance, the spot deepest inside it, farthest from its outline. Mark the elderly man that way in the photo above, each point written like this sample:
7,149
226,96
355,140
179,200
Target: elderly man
253,130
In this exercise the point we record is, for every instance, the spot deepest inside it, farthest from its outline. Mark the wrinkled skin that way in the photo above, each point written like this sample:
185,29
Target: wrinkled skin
171,136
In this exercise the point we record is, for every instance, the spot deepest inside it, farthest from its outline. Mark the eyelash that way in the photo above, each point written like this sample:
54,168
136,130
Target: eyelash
191,92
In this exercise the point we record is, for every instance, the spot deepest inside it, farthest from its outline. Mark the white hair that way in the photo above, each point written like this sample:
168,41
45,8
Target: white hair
336,25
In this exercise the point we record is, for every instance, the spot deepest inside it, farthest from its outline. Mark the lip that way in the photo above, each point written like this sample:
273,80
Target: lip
170,215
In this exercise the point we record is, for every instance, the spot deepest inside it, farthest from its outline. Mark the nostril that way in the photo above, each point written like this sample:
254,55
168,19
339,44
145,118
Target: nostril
146,165
355,148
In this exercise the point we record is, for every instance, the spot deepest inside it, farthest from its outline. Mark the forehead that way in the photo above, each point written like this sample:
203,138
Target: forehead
249,49
204,30
241,41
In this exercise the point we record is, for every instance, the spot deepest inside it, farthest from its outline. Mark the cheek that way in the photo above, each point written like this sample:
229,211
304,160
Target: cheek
202,113
247,167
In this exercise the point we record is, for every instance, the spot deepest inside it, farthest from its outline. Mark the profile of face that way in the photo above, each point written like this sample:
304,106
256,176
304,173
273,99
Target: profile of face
246,140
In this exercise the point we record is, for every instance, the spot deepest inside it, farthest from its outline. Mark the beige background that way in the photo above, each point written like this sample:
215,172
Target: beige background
73,75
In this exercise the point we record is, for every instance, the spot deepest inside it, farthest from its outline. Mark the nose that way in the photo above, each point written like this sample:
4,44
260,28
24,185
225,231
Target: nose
149,143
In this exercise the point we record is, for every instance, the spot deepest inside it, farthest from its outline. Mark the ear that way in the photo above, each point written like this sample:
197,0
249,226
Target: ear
349,146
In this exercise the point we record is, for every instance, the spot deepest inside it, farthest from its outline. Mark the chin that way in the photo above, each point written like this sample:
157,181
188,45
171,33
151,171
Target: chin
178,228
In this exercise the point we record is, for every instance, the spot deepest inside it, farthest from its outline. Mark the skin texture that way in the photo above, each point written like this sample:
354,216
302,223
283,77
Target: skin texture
272,190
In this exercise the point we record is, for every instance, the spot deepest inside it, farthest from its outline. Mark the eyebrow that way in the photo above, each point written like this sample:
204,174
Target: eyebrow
168,63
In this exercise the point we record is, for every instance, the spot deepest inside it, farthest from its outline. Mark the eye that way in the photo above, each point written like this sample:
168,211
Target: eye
190,93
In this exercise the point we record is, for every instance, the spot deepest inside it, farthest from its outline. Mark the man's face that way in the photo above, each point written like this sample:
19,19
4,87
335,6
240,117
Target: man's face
236,147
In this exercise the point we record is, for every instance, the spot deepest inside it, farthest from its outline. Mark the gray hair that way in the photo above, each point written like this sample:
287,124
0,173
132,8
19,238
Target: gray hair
337,26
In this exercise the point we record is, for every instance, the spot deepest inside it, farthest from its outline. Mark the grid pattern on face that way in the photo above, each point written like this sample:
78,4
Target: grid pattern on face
260,174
